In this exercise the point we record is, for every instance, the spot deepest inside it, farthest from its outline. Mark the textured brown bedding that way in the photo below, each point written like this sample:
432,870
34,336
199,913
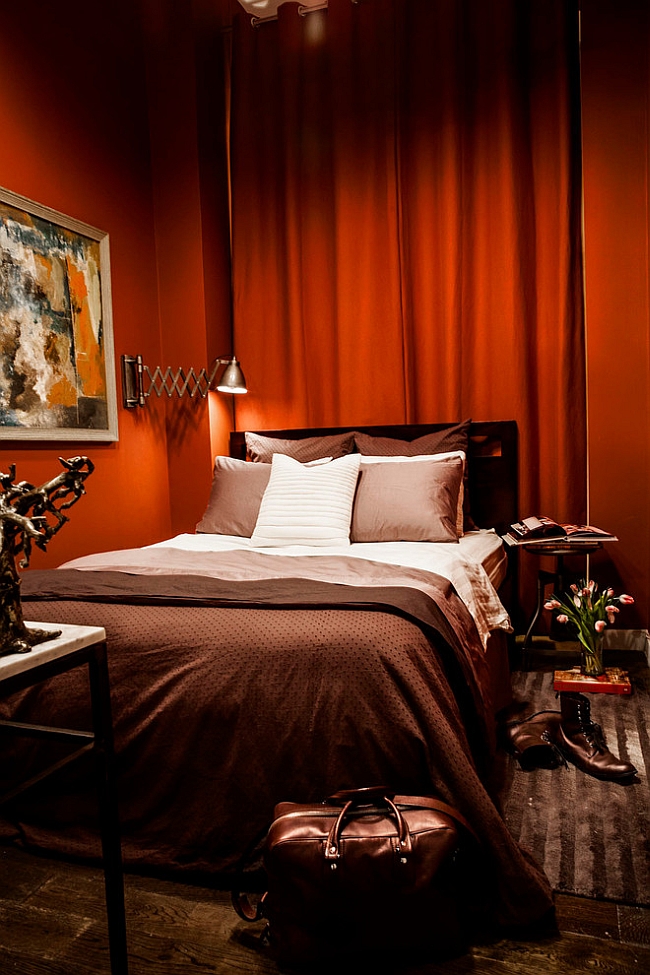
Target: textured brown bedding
228,697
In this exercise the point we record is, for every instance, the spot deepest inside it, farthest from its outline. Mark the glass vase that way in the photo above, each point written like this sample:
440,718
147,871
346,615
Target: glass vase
591,664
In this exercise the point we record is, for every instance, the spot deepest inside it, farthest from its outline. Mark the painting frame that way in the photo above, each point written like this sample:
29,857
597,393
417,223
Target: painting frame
57,357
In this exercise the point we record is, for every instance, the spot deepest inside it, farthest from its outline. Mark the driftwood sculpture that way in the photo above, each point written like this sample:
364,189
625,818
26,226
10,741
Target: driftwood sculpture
31,515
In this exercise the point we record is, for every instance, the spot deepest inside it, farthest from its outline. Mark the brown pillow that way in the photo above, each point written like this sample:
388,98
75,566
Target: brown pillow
449,438
235,498
454,437
261,449
407,502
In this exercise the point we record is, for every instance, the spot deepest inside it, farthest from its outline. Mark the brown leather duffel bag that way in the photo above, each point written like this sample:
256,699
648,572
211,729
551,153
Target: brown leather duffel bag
368,874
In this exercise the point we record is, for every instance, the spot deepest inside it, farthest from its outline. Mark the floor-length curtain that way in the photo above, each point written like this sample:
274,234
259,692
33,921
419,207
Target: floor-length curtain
406,223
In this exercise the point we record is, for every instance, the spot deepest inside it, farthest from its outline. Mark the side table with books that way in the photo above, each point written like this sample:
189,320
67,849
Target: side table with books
545,537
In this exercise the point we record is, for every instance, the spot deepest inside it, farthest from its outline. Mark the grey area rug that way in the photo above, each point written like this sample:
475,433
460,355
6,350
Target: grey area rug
591,837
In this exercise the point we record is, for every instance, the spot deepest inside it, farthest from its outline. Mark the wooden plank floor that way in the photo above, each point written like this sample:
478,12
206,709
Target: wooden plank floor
52,922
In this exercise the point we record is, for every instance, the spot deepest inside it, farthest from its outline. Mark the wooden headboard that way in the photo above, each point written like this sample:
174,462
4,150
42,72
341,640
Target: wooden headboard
492,462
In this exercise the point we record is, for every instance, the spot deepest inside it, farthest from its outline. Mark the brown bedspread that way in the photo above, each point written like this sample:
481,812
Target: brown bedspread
229,697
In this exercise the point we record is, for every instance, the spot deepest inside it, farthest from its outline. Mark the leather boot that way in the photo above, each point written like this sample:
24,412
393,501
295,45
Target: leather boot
532,740
582,742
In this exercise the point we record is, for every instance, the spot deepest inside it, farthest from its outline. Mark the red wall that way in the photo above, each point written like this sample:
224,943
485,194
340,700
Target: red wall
183,56
106,116
616,101
73,118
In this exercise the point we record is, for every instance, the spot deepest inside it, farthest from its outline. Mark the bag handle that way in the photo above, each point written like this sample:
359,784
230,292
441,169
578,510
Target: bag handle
373,794
241,902
333,845
246,910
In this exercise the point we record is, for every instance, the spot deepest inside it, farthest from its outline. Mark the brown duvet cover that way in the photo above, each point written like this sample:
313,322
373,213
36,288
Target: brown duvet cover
230,696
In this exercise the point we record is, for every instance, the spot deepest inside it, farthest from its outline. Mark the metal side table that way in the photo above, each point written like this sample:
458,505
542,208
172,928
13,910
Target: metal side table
78,646
556,578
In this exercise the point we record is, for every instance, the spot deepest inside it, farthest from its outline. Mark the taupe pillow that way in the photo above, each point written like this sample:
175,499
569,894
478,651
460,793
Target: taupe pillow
407,502
260,449
455,437
368,459
235,497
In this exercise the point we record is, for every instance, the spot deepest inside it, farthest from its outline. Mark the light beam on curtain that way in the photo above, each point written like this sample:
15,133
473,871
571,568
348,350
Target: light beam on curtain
406,223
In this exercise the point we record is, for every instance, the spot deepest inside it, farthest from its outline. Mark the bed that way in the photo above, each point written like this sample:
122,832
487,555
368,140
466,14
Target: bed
284,659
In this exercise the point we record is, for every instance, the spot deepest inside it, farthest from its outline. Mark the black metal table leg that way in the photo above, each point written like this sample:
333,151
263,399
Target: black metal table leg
75,646
108,808
543,579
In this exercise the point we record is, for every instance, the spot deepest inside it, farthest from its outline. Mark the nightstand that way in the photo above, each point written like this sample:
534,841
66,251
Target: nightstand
75,647
555,578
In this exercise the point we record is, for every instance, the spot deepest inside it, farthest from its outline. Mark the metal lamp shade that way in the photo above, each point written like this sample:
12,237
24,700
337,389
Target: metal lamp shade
232,379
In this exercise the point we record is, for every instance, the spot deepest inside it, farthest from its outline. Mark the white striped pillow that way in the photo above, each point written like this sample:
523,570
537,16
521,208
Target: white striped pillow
307,505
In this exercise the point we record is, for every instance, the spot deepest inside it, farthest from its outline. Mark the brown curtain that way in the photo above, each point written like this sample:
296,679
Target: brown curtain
406,223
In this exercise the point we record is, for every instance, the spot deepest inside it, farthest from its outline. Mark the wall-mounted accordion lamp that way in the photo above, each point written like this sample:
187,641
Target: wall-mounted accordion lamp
139,381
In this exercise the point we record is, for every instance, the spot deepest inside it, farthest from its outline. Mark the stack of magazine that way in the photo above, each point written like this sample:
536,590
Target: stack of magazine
544,531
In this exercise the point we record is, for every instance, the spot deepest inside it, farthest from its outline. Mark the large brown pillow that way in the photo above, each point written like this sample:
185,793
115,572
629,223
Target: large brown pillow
260,449
411,502
455,437
235,497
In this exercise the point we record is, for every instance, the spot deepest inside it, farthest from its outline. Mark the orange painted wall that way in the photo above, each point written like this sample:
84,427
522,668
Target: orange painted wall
103,119
616,112
73,118
183,44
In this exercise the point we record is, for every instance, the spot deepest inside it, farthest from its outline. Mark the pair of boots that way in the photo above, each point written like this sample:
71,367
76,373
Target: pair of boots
547,739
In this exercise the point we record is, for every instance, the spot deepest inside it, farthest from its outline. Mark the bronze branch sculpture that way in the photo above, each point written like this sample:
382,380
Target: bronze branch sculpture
31,515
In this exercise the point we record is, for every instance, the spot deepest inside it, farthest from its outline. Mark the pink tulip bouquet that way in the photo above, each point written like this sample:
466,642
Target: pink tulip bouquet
590,612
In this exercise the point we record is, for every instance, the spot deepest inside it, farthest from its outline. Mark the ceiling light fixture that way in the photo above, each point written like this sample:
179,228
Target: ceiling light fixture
262,11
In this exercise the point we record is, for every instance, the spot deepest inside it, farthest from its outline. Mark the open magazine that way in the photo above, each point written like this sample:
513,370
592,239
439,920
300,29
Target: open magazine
545,531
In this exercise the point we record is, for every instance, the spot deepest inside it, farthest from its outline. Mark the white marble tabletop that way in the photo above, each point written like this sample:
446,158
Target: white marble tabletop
72,638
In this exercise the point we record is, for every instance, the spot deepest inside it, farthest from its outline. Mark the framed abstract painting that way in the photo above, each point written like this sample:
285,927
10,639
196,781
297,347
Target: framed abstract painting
57,364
